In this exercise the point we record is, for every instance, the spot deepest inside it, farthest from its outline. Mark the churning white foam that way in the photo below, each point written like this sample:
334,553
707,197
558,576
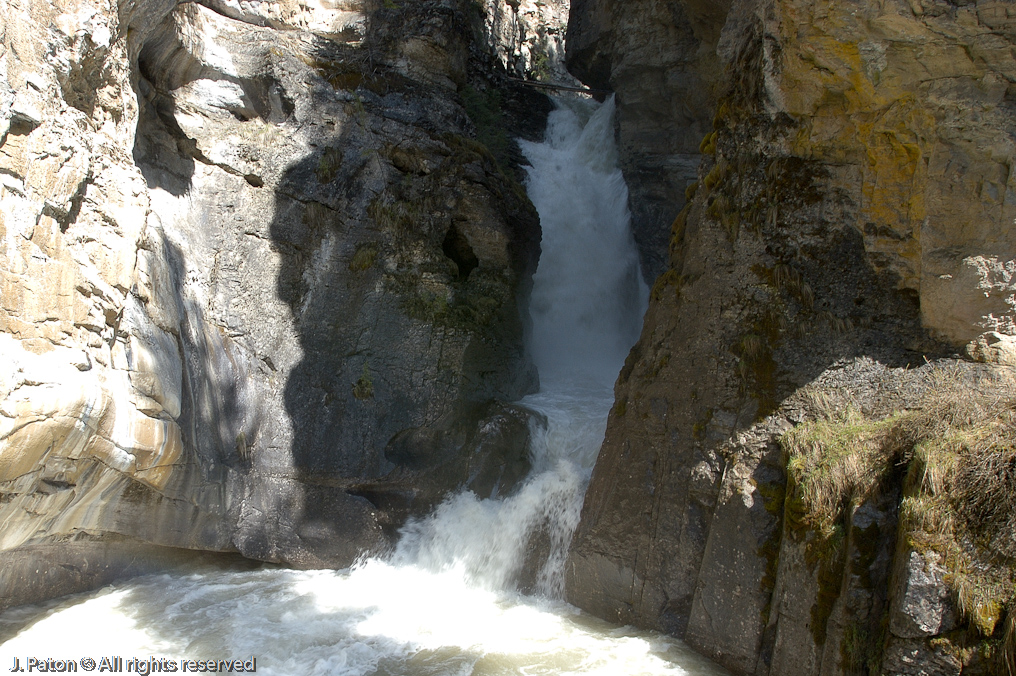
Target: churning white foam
377,619
445,602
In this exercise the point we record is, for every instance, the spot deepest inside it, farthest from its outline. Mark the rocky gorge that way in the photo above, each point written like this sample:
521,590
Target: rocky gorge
266,272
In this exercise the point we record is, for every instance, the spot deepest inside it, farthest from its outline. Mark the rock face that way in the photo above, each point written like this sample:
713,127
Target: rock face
250,252
847,218
528,37
659,57
907,105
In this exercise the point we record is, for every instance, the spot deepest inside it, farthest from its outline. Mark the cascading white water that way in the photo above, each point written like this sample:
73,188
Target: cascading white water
587,305
445,601
588,295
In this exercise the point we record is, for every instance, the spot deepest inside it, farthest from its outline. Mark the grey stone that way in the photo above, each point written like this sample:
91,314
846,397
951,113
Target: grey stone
922,604
254,247
915,658
784,275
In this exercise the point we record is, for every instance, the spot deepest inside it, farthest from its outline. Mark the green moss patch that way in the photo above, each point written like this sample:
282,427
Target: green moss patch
329,165
364,258
363,388
485,110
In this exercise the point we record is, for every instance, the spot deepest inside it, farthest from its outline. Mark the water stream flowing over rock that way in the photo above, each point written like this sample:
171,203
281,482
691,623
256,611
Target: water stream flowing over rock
588,300
447,600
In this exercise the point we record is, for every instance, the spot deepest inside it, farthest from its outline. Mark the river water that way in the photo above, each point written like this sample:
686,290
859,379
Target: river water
446,602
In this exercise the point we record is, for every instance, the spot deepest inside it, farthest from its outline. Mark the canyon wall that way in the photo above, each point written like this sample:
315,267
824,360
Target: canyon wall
840,178
264,274
265,266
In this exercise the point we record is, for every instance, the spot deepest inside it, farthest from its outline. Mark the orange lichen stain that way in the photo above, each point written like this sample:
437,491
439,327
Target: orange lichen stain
897,141
846,117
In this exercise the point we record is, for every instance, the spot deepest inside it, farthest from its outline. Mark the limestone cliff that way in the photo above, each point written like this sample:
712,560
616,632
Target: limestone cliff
263,277
848,218
528,37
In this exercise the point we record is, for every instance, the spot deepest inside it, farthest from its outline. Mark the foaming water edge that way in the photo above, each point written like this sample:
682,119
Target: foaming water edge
377,618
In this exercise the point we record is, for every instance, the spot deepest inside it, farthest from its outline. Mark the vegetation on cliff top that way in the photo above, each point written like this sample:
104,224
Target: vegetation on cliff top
958,448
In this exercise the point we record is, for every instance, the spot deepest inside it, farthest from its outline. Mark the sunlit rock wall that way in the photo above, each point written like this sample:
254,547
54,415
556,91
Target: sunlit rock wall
907,104
843,214
528,37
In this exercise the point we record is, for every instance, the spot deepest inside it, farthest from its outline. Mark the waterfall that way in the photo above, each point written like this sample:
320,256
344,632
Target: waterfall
588,295
587,305
447,601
